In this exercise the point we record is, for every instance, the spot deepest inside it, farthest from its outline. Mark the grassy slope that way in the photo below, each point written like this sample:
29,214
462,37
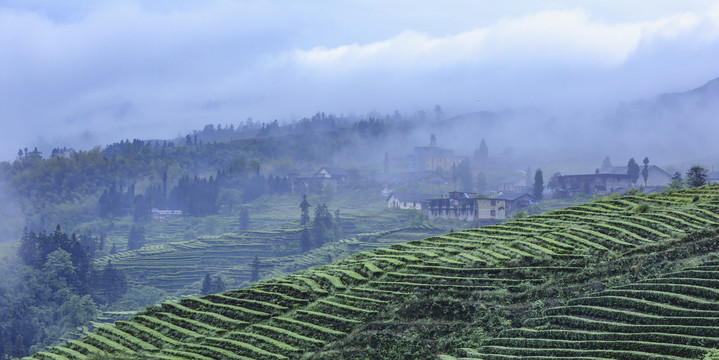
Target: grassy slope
177,266
450,293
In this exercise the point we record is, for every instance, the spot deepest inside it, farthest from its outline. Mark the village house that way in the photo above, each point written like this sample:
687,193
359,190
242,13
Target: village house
656,176
158,214
340,175
407,201
516,183
467,207
592,184
516,201
432,157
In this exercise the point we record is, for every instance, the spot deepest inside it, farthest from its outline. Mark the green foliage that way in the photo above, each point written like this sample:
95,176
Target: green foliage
139,297
244,223
645,170
111,284
305,240
641,208
696,176
136,238
538,188
255,270
324,226
305,207
212,285
633,171
711,355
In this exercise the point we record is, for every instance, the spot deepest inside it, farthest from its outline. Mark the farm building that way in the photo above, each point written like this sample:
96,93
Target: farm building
516,183
432,157
340,175
657,176
592,184
331,178
403,200
158,214
517,201
467,207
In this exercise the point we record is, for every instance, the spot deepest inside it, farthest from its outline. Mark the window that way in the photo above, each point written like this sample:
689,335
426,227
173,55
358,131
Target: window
493,203
493,212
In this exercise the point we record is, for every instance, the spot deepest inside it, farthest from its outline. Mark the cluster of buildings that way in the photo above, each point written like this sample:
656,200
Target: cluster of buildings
434,165
462,205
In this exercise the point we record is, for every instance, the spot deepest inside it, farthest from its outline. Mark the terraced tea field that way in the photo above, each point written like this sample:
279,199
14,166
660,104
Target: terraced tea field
176,267
627,277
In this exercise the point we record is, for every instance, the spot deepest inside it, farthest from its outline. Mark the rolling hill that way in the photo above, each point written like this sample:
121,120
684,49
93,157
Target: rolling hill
624,277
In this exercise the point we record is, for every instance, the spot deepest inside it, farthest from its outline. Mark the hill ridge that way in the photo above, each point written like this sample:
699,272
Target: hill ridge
341,310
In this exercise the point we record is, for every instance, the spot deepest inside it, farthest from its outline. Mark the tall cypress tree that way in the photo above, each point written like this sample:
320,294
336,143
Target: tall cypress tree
633,171
255,270
538,190
305,206
206,284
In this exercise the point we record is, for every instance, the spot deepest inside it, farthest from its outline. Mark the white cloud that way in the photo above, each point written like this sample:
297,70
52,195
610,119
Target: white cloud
558,37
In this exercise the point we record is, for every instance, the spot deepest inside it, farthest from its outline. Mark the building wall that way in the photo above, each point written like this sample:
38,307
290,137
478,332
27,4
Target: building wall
472,209
656,177
600,184
404,205
495,209
444,163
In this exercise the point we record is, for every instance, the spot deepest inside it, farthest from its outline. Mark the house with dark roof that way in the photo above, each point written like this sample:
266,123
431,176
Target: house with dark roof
406,200
515,183
592,184
338,174
516,201
656,176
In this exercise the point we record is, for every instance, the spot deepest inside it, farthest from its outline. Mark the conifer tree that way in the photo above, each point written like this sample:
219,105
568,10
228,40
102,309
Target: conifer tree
136,239
218,285
633,171
255,270
696,176
538,190
244,219
305,206
206,285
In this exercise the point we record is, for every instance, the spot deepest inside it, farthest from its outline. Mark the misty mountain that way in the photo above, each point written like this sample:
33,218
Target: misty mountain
682,122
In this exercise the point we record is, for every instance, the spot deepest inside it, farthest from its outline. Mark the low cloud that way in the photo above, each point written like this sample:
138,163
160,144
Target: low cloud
127,69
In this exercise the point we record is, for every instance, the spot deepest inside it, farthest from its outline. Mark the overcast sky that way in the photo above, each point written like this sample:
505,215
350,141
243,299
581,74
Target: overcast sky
83,73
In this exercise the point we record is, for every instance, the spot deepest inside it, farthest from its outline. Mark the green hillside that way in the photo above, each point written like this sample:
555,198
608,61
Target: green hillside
629,277
177,267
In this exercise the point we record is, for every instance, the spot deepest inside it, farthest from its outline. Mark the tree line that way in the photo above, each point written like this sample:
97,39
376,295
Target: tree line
53,290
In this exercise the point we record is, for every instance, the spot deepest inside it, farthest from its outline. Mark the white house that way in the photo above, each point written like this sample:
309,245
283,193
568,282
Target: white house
401,200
